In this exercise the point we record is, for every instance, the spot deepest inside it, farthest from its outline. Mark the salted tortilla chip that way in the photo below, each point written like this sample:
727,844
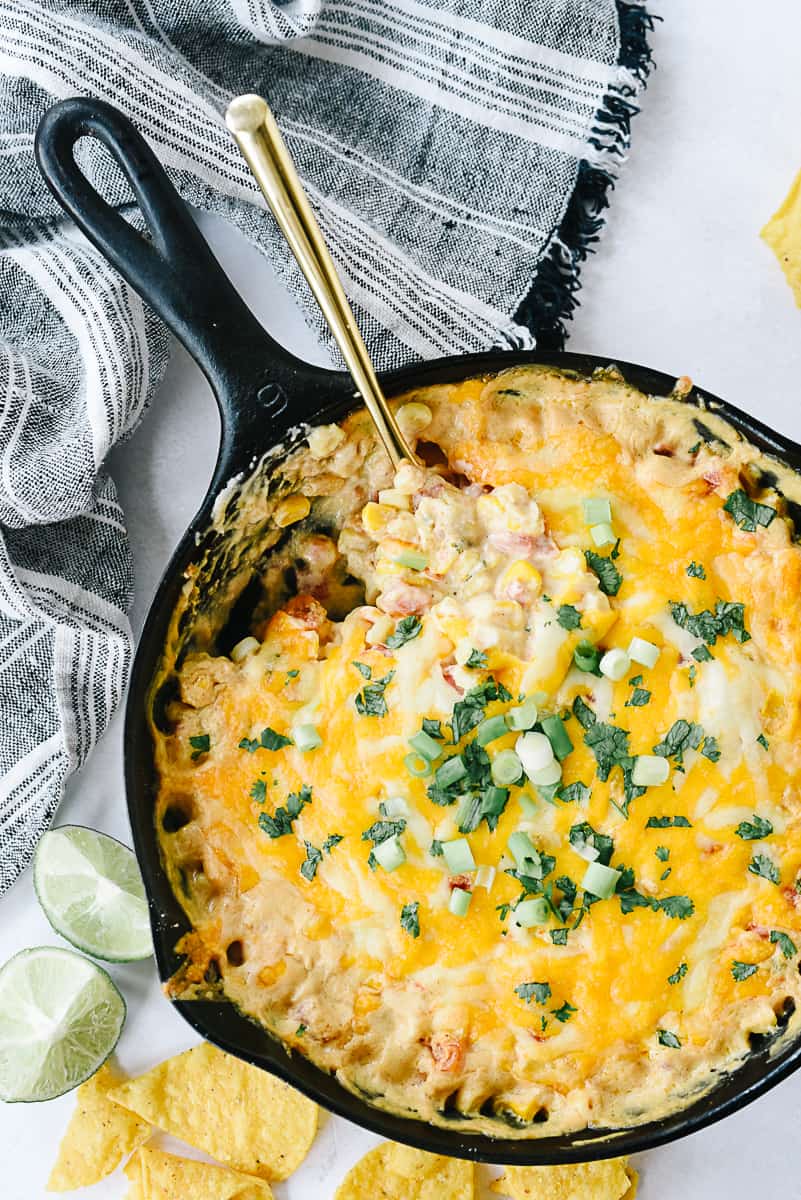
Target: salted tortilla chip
100,1134
783,235
393,1172
611,1179
234,1112
156,1175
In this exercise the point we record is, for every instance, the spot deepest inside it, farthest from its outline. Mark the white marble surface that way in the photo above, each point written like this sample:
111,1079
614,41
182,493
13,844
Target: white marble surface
681,282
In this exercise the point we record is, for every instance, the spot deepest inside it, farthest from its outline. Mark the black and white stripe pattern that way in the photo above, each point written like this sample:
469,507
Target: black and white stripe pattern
440,141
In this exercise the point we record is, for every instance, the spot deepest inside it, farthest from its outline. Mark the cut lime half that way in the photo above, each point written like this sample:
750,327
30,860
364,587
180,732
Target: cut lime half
92,894
60,1018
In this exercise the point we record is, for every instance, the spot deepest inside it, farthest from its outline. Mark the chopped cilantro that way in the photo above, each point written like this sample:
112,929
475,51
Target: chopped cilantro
270,740
667,823
639,698
743,970
308,868
635,681
583,834
609,578
754,831
409,918
332,840
666,1038
583,713
435,849
201,744
609,744
574,793
469,711
728,617
784,942
433,728
701,654
748,513
662,853
301,1029
765,867
363,669
696,571
691,674
710,749
370,701
539,992
281,823
477,660
405,630
568,617
763,741
259,791
681,736
559,937
293,674
503,911
678,974
665,874
564,1012
677,907
694,449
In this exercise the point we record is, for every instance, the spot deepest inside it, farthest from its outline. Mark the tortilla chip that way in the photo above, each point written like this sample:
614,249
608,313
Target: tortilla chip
234,1112
783,235
156,1175
393,1172
100,1134
608,1180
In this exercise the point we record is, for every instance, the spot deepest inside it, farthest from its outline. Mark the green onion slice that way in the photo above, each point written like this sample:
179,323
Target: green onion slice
506,768
425,745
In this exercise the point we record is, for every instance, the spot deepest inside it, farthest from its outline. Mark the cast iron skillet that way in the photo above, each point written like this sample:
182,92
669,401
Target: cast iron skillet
262,392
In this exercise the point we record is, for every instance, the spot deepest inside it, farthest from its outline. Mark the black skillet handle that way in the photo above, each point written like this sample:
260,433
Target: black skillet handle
175,272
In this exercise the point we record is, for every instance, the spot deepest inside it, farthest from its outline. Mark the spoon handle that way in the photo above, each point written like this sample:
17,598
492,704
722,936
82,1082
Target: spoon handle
254,127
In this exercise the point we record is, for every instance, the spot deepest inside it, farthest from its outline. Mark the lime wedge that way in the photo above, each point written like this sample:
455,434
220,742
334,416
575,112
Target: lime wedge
91,891
60,1018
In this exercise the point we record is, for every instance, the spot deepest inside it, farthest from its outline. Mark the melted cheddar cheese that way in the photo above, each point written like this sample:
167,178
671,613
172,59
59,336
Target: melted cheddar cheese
485,591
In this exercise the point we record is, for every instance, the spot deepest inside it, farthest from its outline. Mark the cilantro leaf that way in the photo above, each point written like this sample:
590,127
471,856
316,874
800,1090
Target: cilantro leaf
609,578
405,630
754,831
710,749
477,660
370,701
332,840
765,867
583,834
678,907
379,831
433,728
308,868
258,791
201,744
559,937
609,744
681,736
666,1038
469,711
748,513
668,822
678,974
583,713
763,741
435,849
270,740
662,853
568,617
784,942
280,824
539,992
409,918
728,617
639,698
577,793
363,669
743,970
696,571
564,1012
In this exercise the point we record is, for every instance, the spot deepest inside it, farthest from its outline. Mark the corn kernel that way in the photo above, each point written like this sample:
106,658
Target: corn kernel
242,649
509,614
385,566
414,417
324,440
394,498
375,517
488,507
522,571
293,509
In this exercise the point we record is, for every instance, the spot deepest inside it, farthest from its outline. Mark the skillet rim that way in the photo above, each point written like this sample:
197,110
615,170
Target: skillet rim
221,1023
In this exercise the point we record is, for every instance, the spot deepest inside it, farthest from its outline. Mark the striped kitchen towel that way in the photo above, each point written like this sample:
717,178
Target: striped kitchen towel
458,154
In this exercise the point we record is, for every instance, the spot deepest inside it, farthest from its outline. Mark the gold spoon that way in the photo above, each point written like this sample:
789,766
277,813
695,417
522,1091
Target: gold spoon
259,138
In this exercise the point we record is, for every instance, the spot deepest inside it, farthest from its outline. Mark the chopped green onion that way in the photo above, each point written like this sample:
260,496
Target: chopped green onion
534,751
490,729
528,805
603,534
426,746
485,877
548,776
645,653
460,902
306,737
494,800
506,768
451,771
412,559
468,814
587,657
597,511
586,851
601,881
649,770
417,765
522,849
534,911
614,664
522,717
458,856
557,735
242,649
395,806
390,853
